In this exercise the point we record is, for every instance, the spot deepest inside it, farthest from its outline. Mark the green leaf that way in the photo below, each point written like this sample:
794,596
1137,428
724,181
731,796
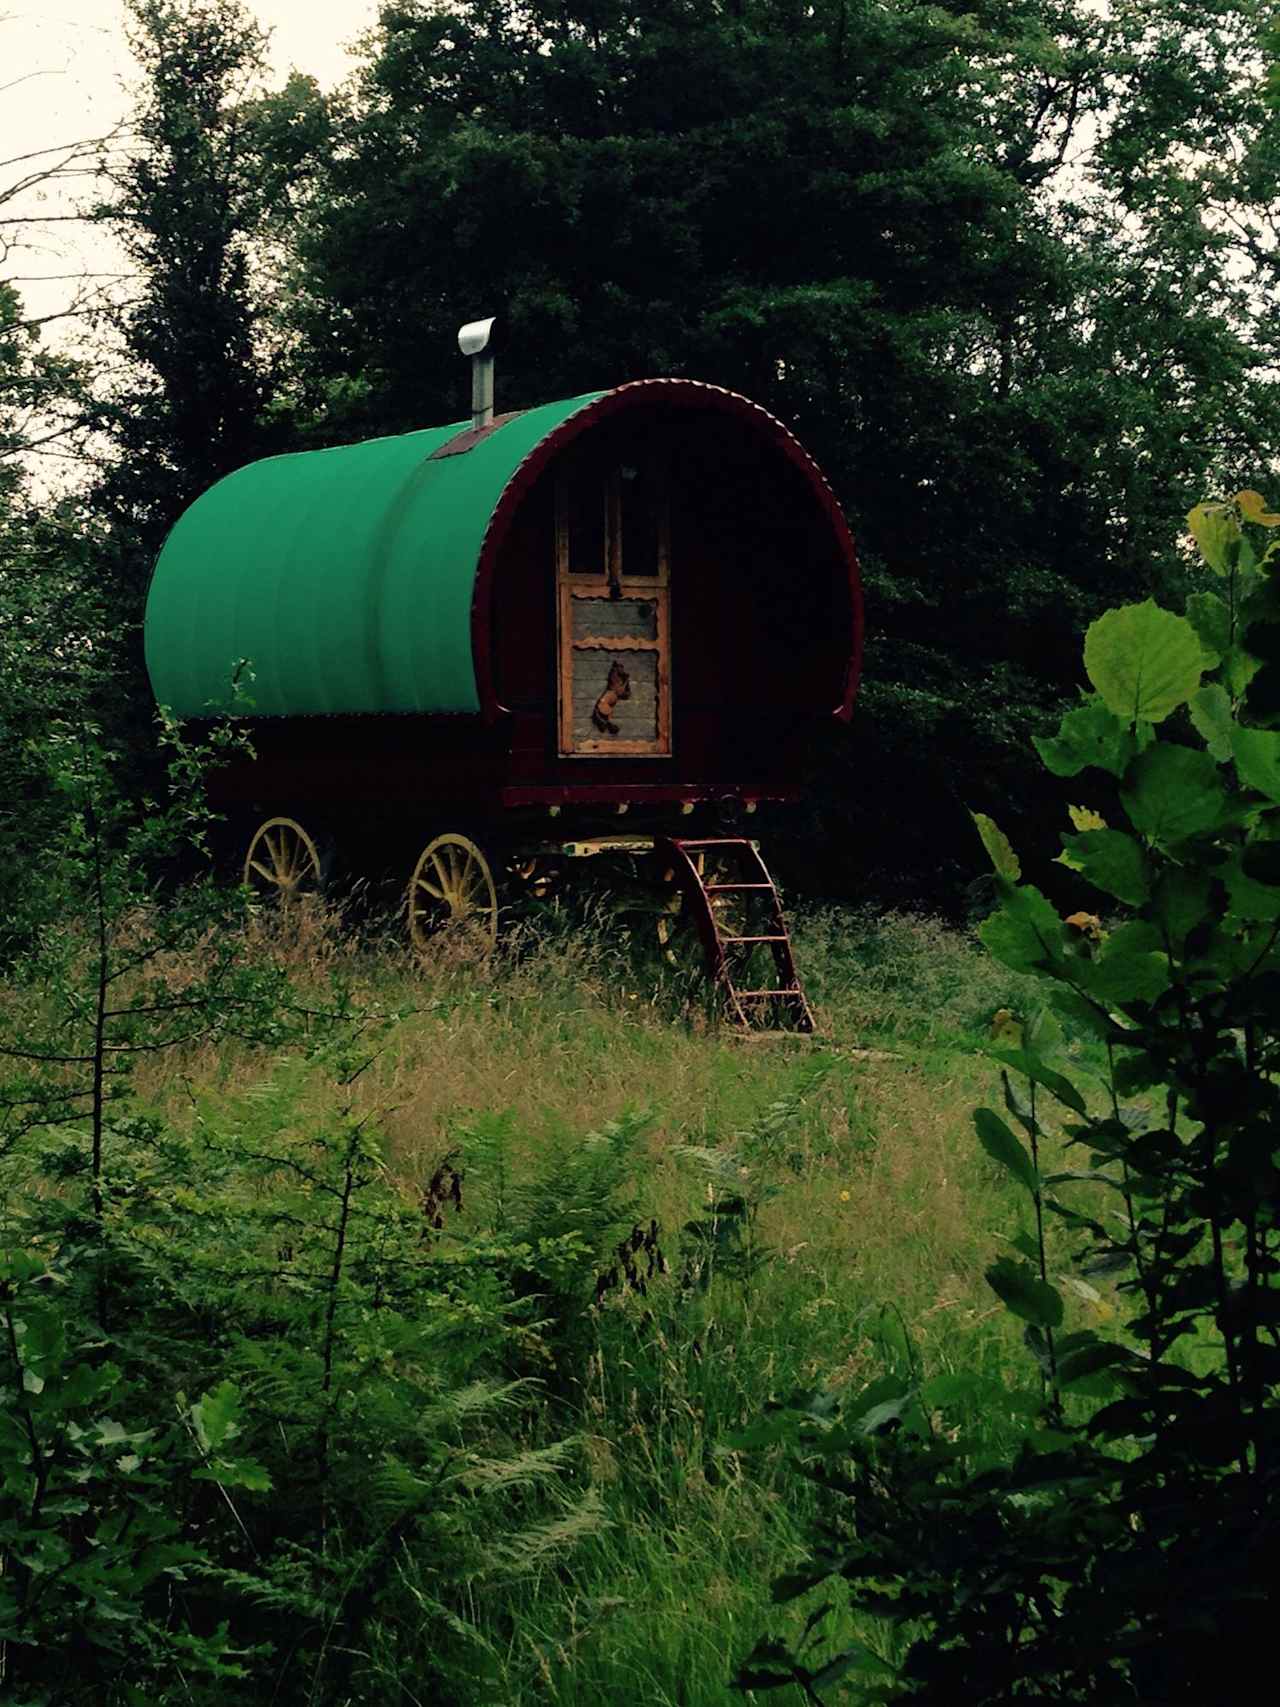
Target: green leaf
1144,661
1216,531
1110,861
1238,670
1131,967
1082,1015
1021,1290
1182,900
1251,899
1044,1033
1084,818
235,1473
1004,1147
17,1266
1089,736
1090,1360
1029,1064
876,1418
769,1665
1211,715
884,1401
1171,793
215,1416
1019,1107
1211,618
998,848
1257,753
1026,933
43,1336
954,1387
852,1659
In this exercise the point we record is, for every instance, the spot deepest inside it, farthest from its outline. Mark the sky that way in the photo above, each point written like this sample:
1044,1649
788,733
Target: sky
64,65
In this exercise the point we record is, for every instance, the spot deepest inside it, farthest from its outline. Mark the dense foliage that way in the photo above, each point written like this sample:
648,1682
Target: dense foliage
967,252
300,1404
161,1542
1004,268
1130,1541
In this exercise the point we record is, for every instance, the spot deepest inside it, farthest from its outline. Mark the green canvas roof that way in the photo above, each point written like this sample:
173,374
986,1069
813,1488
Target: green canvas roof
344,576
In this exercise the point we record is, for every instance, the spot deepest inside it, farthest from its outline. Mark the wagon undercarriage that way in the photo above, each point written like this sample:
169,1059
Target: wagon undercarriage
708,904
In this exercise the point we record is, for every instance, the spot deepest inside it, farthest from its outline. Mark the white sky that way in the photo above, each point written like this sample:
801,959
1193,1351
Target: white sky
63,67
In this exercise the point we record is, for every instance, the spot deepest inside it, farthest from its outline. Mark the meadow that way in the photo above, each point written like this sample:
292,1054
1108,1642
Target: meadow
818,1211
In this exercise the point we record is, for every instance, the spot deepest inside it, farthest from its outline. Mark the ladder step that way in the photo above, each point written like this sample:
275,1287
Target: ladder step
759,995
721,888
753,939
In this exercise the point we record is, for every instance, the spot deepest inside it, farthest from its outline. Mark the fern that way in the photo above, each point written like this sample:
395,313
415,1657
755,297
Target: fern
533,1546
530,1468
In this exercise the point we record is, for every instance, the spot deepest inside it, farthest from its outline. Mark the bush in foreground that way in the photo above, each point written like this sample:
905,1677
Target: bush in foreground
1128,1546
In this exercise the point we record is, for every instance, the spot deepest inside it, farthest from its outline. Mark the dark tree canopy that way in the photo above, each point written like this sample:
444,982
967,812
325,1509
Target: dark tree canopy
997,264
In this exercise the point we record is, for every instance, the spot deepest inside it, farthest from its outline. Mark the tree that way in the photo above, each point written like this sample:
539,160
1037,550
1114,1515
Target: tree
192,201
190,205
899,228
44,406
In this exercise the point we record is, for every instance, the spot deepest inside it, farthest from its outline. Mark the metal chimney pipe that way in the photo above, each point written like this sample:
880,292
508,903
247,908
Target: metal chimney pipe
476,340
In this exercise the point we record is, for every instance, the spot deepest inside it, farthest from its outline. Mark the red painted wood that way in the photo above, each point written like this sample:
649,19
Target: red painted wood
789,994
644,402
766,635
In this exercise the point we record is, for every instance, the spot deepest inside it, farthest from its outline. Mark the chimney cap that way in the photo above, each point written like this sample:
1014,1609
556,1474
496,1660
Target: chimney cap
478,337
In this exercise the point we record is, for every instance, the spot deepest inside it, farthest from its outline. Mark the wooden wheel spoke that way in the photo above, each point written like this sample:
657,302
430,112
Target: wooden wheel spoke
283,857
452,872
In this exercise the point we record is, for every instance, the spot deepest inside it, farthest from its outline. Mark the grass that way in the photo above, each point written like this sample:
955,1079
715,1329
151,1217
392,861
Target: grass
869,1214
822,1208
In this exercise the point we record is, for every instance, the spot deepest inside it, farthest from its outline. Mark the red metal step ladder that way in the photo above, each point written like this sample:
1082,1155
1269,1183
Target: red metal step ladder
709,871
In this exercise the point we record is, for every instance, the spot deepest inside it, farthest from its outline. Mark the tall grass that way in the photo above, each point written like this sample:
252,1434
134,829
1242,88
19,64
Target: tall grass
867,1218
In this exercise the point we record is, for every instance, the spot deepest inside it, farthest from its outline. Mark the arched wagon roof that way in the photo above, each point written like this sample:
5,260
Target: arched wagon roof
358,579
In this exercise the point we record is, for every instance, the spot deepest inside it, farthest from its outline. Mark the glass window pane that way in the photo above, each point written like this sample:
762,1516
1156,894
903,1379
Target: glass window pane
641,513
585,512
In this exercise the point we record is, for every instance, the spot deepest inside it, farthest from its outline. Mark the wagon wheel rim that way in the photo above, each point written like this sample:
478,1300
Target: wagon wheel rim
679,943
452,890
283,862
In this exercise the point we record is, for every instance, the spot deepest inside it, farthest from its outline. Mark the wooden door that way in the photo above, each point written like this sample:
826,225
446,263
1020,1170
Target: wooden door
613,575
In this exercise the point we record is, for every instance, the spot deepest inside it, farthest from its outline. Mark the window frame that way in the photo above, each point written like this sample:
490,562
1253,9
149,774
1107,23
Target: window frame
575,589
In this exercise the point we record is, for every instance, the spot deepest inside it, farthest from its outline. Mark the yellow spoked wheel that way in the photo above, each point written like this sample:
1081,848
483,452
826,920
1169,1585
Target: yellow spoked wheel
452,895
283,863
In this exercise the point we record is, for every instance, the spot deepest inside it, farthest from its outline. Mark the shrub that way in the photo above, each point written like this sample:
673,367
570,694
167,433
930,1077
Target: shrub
1130,1542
